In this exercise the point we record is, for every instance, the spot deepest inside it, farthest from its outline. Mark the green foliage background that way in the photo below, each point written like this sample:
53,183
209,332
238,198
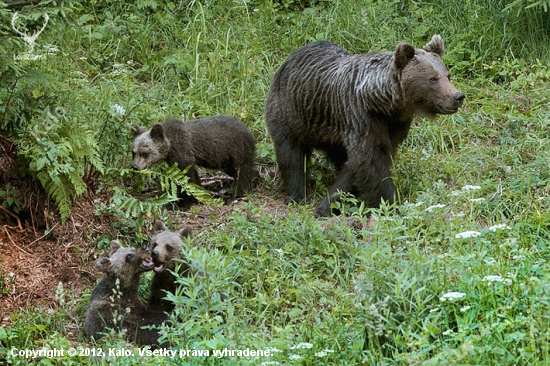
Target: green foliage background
371,295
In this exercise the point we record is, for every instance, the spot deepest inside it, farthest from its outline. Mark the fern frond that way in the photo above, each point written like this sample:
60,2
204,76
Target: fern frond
135,208
60,156
59,192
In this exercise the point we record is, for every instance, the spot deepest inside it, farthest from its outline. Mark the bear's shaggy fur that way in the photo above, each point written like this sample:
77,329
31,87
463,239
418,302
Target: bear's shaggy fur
117,291
167,253
219,142
356,108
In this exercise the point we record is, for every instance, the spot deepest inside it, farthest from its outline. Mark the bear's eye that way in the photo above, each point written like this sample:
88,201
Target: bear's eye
434,80
154,245
129,257
144,155
170,248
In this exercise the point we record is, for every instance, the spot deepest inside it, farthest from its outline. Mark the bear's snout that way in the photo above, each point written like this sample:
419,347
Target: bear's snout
459,97
154,254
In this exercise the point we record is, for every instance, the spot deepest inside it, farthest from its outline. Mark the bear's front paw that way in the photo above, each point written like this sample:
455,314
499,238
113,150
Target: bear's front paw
323,210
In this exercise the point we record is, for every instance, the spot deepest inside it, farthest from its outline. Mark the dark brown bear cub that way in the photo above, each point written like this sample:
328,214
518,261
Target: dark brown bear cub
356,108
219,142
167,253
114,302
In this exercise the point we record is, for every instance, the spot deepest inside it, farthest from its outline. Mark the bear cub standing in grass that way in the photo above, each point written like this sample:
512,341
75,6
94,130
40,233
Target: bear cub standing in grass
117,291
219,142
166,253
357,109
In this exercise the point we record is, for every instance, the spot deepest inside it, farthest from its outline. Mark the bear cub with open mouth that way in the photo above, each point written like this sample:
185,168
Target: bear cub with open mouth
115,302
166,253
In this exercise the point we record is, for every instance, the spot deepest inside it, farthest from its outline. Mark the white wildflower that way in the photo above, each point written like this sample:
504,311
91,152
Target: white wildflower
60,294
477,199
451,296
499,227
447,332
495,278
324,352
470,188
467,234
465,308
294,357
439,205
302,345
280,252
269,363
273,350
118,109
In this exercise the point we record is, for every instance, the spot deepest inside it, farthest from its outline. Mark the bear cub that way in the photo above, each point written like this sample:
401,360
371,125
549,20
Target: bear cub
118,291
219,142
166,252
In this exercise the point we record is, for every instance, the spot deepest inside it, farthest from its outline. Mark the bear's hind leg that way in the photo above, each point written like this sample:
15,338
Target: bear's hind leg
292,168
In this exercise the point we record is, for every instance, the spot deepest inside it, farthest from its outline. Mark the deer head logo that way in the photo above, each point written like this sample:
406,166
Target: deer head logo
29,39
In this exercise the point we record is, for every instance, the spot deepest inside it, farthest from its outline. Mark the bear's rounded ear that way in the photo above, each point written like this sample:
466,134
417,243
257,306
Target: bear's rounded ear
136,130
157,132
403,54
435,45
115,245
103,264
159,226
186,231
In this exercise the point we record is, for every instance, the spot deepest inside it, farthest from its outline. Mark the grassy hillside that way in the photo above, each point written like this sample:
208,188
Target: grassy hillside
460,277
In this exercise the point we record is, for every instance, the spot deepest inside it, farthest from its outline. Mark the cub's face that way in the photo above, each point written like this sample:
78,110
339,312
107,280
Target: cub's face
167,247
149,147
125,263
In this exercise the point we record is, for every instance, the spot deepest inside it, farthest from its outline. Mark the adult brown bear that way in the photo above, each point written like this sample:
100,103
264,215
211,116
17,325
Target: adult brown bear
356,108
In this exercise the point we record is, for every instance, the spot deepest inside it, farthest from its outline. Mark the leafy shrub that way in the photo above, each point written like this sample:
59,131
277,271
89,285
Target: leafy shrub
60,152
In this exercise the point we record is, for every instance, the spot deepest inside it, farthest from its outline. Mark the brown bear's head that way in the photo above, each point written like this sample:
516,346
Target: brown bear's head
149,147
167,246
126,264
425,81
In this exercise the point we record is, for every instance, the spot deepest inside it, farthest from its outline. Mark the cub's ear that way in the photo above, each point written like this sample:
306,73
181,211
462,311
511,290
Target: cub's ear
157,133
115,245
403,54
136,130
186,231
435,45
103,264
159,226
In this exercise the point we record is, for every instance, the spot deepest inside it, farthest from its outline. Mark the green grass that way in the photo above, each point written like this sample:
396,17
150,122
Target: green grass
321,292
